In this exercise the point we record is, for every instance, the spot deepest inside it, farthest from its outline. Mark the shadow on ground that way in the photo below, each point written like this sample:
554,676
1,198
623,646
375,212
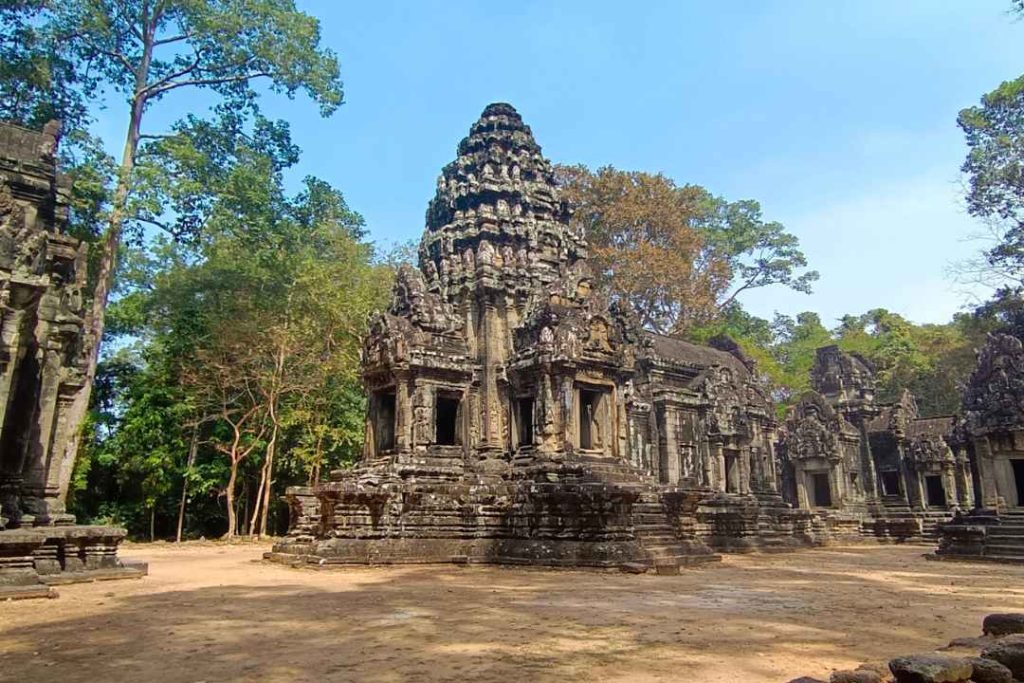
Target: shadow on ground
757,618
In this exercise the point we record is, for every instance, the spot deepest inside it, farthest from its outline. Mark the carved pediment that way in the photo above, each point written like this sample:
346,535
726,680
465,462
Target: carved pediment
994,399
930,450
814,430
425,309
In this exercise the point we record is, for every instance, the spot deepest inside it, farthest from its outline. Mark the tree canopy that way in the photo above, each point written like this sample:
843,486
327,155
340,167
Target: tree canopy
679,254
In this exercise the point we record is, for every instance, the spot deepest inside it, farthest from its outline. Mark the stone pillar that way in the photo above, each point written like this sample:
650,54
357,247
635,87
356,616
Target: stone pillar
800,479
949,485
871,486
744,470
720,473
984,477
773,473
671,440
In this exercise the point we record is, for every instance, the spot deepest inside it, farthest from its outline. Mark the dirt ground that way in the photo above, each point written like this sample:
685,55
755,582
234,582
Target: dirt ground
210,612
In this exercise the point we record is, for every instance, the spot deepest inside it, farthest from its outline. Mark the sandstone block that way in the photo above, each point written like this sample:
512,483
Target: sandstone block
1003,624
929,668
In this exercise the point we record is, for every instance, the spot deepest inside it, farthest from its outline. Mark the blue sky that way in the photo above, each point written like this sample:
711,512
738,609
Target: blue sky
839,117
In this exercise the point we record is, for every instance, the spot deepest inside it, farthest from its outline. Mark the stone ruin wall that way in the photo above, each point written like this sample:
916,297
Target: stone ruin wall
42,333
42,372
519,414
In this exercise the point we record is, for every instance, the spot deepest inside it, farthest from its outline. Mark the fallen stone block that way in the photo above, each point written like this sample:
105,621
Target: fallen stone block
1008,652
989,671
930,669
1003,624
855,676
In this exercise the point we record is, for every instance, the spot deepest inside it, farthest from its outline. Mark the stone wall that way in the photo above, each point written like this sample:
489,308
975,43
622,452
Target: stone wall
42,334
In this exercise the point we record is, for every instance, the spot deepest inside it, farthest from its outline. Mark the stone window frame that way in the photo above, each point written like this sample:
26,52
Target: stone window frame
607,409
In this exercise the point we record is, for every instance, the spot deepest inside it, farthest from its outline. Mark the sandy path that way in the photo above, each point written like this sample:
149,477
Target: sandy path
212,613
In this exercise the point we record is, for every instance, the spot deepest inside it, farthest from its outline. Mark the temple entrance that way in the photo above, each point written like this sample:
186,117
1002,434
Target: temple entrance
525,421
821,490
446,420
935,491
592,427
732,473
891,483
384,420
1018,478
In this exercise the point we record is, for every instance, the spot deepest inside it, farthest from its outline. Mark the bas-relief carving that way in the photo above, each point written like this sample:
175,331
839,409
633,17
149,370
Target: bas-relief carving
42,274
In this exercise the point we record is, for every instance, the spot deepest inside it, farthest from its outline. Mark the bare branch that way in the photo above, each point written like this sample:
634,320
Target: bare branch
211,81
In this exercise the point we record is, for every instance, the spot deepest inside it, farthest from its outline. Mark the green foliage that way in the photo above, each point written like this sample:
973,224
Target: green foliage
994,168
931,361
262,309
38,80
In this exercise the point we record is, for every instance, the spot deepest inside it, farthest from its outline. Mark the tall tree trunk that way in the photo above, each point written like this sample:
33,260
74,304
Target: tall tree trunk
193,448
230,492
259,499
96,320
269,473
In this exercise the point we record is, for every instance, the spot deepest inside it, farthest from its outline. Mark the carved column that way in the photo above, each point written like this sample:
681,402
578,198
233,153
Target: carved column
720,473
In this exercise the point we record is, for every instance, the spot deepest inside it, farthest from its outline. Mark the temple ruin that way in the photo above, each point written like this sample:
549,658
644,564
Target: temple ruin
518,414
42,334
992,432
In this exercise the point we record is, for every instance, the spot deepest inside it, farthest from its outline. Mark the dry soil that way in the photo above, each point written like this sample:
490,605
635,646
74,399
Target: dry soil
211,612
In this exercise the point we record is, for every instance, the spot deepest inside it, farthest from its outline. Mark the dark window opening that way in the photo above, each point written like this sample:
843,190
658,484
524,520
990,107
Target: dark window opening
935,490
446,419
821,490
590,419
526,421
384,420
732,475
853,480
891,484
1018,477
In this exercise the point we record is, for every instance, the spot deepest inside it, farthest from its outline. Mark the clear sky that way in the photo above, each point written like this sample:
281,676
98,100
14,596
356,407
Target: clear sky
838,116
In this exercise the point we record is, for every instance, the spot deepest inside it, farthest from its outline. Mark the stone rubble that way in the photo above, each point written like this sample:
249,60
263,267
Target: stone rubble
998,657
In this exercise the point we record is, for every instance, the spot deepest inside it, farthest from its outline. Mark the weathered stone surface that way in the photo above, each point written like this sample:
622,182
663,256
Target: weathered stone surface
42,334
989,671
855,676
518,413
1002,624
807,679
991,434
1009,652
42,360
928,668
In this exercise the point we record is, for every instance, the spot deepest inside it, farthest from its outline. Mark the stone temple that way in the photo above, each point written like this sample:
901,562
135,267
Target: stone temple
519,415
42,334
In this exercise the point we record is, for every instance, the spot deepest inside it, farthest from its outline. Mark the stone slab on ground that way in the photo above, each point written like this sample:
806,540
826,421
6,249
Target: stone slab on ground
928,668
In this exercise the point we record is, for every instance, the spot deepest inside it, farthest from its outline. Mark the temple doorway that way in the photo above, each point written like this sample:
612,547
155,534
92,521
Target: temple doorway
821,490
446,416
891,483
383,408
592,425
732,473
1018,479
935,491
525,421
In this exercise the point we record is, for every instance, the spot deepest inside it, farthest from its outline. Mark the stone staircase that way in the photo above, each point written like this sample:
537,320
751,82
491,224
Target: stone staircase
1005,541
652,524
897,521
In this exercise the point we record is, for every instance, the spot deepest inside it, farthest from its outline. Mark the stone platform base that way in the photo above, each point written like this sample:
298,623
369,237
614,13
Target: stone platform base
34,559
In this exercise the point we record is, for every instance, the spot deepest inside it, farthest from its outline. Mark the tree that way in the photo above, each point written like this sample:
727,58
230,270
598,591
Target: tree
38,80
679,254
994,169
150,50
